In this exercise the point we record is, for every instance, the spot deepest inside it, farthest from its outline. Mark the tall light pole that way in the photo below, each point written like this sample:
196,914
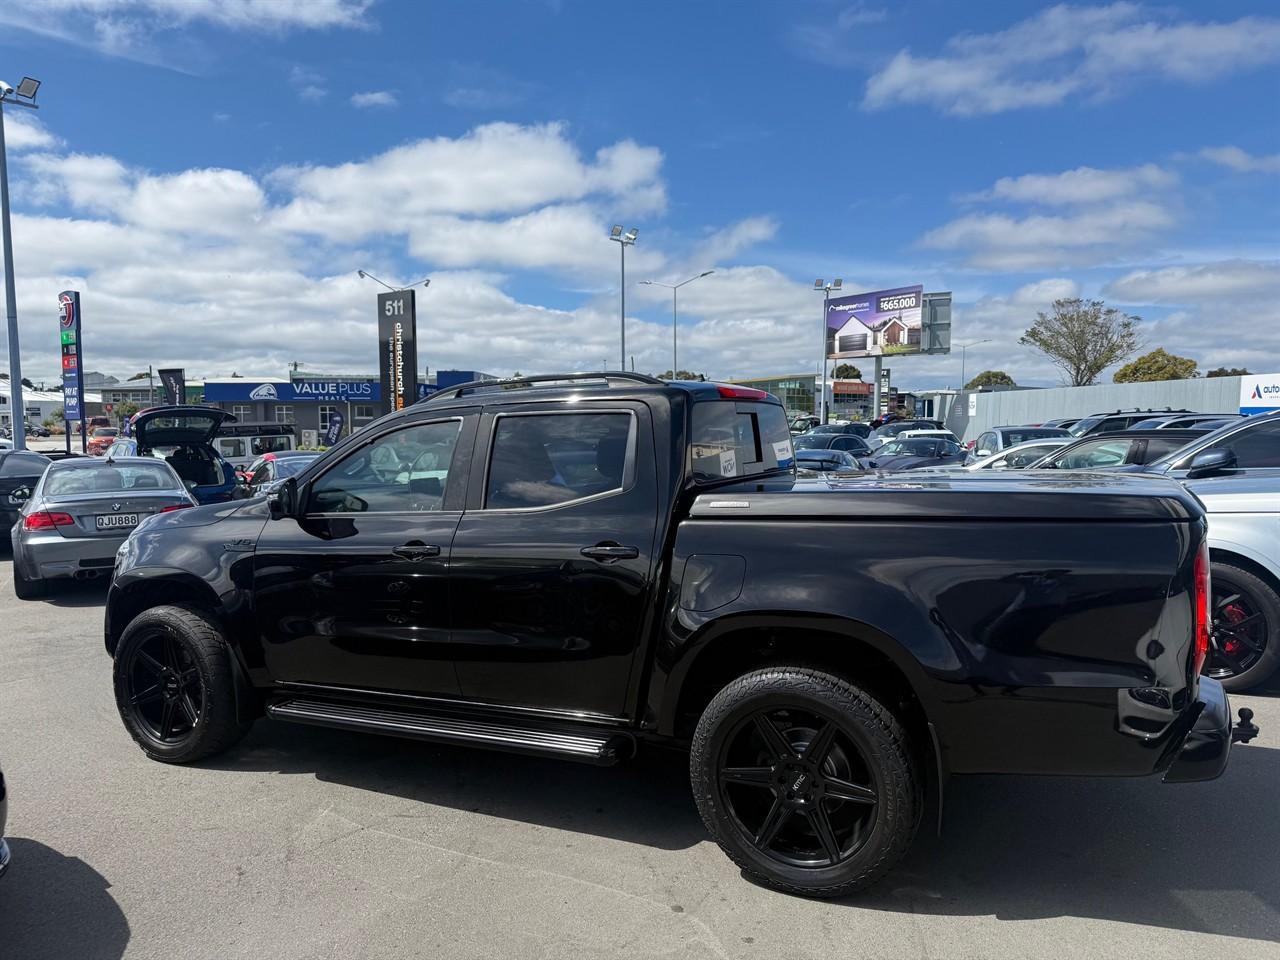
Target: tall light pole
825,288
366,275
963,348
624,239
24,96
675,289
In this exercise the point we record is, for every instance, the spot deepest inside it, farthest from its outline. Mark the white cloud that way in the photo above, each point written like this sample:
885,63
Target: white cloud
309,84
831,41
1082,185
1222,284
1242,161
727,243
26,133
1067,51
374,98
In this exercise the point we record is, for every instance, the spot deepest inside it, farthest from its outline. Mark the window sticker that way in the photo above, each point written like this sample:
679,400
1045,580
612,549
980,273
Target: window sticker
729,464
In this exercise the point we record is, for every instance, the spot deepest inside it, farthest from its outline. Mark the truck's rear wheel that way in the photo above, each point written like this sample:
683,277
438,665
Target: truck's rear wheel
174,686
1244,647
805,781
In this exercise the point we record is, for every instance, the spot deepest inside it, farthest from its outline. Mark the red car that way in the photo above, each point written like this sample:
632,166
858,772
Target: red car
101,439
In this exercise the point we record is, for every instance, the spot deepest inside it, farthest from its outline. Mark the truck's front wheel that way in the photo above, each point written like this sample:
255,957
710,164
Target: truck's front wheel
805,781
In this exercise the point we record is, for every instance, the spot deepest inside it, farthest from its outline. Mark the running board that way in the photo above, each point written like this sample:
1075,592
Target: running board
590,746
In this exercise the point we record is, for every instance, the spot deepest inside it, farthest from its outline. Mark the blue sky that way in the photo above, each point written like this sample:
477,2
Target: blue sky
211,174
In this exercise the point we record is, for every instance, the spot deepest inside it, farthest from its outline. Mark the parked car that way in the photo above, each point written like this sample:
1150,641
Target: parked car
36,430
1116,420
856,428
240,443
1181,421
1244,546
824,460
100,441
1131,449
1248,447
4,816
600,563
6,444
92,424
890,431
849,442
1062,423
912,453
1018,457
20,471
265,473
804,424
996,439
81,511
181,436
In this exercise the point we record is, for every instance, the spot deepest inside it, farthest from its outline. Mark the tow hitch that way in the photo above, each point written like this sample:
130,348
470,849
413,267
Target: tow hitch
1245,730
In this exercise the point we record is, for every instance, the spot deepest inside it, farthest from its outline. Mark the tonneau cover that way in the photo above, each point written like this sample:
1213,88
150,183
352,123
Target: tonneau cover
1087,497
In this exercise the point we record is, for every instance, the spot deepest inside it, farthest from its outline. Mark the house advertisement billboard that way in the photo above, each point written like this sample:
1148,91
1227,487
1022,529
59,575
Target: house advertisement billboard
881,323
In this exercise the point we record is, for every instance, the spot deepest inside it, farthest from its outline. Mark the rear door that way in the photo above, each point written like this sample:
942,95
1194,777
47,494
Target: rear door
553,561
353,591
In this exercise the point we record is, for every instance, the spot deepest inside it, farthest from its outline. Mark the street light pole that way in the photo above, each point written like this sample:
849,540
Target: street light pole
27,90
675,290
826,289
964,347
624,238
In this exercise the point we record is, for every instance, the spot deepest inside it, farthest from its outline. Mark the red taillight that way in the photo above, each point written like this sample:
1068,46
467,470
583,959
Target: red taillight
741,393
44,520
174,506
1201,601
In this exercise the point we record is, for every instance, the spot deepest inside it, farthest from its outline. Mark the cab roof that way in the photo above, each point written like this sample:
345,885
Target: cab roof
550,386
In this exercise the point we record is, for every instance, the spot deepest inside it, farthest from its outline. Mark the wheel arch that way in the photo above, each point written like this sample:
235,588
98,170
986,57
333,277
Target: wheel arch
166,588
1234,557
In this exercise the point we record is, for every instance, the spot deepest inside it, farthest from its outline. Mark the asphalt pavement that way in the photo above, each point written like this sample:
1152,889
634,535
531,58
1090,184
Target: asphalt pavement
308,843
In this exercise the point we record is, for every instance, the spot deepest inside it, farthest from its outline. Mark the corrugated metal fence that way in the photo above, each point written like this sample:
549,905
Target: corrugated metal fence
1013,407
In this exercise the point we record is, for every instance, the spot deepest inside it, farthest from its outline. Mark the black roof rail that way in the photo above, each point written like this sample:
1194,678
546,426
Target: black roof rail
475,386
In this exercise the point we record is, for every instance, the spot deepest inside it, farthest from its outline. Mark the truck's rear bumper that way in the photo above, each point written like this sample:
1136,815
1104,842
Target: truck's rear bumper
1203,754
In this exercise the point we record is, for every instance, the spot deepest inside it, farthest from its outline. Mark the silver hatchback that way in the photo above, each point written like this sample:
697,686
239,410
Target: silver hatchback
81,511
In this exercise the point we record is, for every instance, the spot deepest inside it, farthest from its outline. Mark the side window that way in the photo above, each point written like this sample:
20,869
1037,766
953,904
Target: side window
845,443
232,447
1256,446
263,474
548,459
987,442
401,472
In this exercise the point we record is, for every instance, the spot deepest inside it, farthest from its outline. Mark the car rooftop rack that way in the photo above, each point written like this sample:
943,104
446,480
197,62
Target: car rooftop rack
607,377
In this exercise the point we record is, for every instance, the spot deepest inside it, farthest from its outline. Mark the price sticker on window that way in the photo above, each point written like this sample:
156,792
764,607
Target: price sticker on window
782,453
729,464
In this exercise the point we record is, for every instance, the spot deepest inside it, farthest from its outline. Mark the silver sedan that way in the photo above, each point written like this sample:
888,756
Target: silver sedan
81,511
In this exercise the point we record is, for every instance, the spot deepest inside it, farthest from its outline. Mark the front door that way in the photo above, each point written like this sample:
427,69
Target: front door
553,562
353,591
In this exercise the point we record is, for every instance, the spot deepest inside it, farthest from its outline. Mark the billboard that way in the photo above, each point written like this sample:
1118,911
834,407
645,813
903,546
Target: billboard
877,324
72,369
174,381
397,349
1259,393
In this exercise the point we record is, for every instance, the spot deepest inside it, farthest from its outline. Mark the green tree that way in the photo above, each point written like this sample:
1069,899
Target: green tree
990,378
1157,365
58,415
126,410
141,375
1228,372
1083,337
847,371
681,375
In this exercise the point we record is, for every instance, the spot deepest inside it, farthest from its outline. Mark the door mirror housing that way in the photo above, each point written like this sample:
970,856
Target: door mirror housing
1211,462
983,453
283,501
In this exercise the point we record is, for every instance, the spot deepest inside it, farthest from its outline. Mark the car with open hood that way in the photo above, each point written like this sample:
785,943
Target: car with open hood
182,436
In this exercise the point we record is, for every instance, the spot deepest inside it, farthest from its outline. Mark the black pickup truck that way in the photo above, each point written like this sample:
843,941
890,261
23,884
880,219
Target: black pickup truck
582,566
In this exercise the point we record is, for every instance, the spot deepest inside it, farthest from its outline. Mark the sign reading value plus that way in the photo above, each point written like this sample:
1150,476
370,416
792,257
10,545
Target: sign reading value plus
72,369
1260,393
397,349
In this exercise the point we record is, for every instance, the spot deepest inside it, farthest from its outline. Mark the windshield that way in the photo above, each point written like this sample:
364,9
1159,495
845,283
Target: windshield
812,442
289,466
1023,434
911,447
66,479
1104,453
1084,426
739,439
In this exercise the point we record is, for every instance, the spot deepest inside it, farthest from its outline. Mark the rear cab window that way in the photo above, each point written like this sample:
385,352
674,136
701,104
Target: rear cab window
739,438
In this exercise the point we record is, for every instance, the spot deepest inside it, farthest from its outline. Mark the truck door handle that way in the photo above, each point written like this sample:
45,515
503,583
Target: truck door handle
416,550
608,552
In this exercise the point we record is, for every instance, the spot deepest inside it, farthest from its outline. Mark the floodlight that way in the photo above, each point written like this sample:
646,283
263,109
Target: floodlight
837,283
28,87
706,273
819,284
616,232
632,234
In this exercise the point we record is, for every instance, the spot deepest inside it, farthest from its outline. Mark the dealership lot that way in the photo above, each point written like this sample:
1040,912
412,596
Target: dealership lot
305,842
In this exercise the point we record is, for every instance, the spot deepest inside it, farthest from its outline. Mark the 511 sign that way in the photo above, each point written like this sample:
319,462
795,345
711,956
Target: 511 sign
397,349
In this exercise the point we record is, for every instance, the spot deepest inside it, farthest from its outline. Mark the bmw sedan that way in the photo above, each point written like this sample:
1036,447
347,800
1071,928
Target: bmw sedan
81,511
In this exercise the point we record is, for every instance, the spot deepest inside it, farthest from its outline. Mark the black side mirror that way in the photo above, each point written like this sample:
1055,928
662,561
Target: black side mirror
284,502
1209,462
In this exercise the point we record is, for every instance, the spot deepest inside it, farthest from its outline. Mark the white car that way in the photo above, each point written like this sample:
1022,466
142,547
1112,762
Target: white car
934,434
1244,549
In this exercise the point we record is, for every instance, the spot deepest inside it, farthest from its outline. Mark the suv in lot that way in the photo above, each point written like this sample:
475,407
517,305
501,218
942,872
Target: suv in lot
584,566
182,436
1116,420
998,439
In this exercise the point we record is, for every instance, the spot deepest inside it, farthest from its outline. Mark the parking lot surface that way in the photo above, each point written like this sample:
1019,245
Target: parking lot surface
303,842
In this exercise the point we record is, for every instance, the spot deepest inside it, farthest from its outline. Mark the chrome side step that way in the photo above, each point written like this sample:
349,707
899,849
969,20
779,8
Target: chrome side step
603,748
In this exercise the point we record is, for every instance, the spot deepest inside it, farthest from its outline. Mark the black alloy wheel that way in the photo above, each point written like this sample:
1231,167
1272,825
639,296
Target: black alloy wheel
797,787
165,693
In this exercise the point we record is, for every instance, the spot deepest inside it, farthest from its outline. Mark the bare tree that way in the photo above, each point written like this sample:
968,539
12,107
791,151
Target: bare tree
1083,338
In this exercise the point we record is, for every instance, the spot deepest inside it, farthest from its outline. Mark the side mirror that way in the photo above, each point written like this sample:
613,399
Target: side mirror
284,501
1209,462
983,453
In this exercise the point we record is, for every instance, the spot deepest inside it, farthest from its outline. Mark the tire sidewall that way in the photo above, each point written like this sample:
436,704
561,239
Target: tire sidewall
1268,603
890,776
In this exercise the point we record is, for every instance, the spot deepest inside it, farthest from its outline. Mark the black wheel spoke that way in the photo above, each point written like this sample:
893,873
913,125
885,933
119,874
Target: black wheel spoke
1226,600
188,675
171,654
774,740
818,747
153,692
166,719
150,663
821,824
751,776
1234,628
844,790
189,708
773,822
1232,663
